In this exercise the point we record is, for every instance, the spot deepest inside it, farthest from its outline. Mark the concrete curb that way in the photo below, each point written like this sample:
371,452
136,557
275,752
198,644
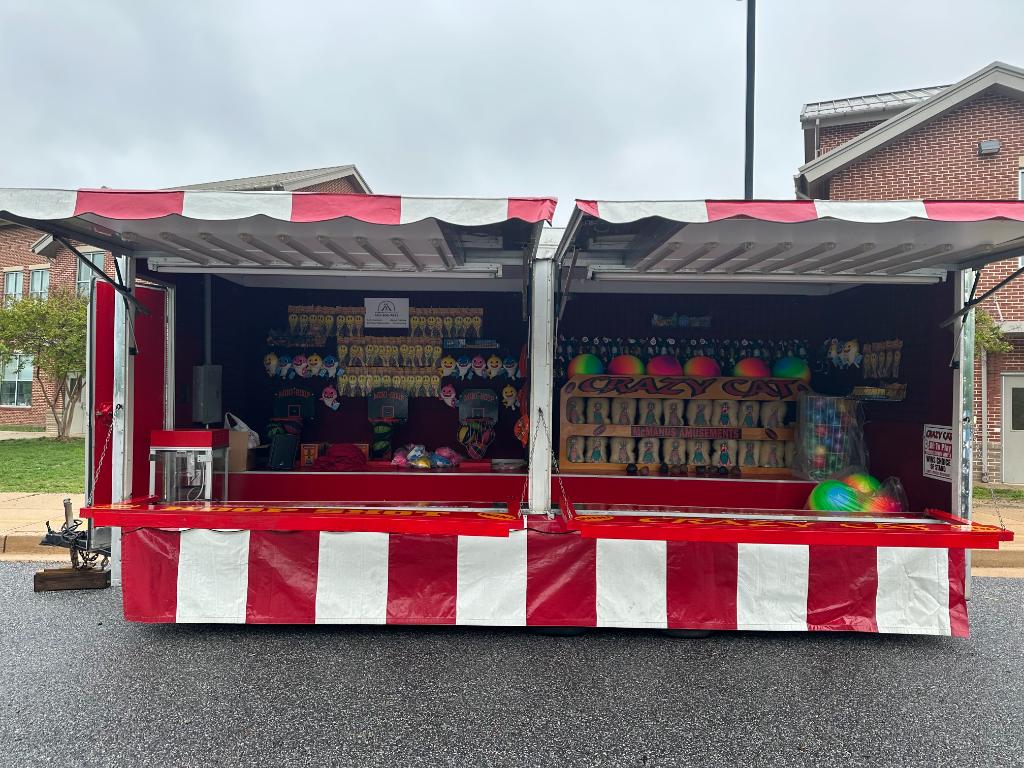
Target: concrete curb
23,544
997,558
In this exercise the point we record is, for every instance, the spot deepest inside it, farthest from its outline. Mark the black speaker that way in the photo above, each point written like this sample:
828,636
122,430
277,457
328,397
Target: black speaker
282,452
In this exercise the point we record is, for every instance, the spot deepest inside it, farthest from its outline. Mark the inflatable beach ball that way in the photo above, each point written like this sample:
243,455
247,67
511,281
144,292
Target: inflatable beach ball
702,366
585,365
751,368
626,365
664,365
792,368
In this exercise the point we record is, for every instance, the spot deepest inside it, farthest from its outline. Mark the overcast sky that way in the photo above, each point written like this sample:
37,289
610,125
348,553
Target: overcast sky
572,98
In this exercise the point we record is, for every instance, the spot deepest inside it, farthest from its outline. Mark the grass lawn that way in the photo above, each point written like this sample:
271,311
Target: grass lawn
43,465
986,493
20,428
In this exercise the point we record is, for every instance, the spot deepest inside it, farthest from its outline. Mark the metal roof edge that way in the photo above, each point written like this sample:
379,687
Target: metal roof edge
995,74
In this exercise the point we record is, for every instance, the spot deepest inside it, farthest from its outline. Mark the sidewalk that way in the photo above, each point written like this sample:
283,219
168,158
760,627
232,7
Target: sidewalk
23,519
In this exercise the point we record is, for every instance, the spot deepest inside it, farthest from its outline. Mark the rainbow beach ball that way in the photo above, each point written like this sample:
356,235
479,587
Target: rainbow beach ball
702,366
664,365
834,496
792,368
585,365
861,482
751,368
883,502
626,365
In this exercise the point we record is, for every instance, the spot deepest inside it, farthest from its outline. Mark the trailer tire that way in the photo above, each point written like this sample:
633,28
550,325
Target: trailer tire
688,634
559,631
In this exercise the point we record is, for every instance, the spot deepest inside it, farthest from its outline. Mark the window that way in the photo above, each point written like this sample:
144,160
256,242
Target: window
16,382
12,287
39,283
83,282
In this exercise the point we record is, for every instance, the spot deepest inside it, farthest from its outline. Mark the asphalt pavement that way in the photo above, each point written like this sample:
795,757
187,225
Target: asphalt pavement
81,687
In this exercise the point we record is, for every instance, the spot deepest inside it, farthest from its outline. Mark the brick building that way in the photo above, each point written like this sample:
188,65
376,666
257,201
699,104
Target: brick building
961,141
33,264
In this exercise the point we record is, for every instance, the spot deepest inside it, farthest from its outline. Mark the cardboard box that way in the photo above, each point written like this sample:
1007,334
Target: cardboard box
240,458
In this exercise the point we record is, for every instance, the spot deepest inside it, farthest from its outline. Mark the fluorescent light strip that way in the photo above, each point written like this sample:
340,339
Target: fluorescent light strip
399,243
728,256
654,259
367,246
338,251
298,247
838,262
796,258
875,266
438,246
134,237
255,242
189,245
757,258
230,248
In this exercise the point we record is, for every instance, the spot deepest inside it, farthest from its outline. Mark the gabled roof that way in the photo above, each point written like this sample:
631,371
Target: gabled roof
874,106
997,75
285,182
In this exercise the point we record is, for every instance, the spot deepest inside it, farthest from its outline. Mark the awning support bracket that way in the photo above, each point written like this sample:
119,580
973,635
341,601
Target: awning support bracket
101,275
974,302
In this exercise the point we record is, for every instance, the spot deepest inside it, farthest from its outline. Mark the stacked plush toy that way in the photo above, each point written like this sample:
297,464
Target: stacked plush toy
858,492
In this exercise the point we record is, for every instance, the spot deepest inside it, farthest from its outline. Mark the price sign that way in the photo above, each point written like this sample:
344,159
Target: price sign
938,452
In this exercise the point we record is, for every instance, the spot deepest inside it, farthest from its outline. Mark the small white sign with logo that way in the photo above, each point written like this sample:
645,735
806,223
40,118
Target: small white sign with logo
938,452
386,313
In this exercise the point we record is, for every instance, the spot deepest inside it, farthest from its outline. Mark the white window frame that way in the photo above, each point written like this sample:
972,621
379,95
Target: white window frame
45,292
11,296
19,379
85,277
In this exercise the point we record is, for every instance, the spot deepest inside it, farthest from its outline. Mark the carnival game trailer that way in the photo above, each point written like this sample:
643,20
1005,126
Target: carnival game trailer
692,415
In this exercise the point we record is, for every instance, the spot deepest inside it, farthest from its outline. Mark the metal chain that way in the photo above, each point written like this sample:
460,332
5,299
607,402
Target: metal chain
98,466
542,424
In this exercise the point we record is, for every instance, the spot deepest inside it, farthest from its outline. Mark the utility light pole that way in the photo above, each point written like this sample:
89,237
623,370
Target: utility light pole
748,167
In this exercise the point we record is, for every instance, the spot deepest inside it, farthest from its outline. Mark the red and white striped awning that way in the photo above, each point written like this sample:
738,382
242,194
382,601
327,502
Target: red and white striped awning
801,241
243,231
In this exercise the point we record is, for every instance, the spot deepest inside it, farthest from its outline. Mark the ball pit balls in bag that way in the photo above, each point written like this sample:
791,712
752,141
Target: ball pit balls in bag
861,482
792,368
664,365
834,496
751,368
585,365
626,365
702,366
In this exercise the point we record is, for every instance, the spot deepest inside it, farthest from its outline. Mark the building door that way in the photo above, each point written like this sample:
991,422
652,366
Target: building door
1013,428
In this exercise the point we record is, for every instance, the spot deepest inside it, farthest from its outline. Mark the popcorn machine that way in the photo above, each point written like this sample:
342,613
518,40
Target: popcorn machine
188,465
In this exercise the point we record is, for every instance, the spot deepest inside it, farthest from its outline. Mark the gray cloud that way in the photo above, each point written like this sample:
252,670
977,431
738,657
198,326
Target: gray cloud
591,99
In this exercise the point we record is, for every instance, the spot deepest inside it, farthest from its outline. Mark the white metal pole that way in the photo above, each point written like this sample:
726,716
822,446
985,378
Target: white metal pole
542,380
963,411
121,440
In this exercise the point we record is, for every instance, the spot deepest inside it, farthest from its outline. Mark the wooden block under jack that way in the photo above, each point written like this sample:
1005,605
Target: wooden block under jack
55,579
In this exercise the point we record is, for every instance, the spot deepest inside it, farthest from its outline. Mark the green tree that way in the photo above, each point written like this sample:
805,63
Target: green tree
53,332
987,334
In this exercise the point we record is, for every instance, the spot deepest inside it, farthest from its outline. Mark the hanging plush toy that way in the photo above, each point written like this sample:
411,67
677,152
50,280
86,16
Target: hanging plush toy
330,369
329,397
463,365
270,364
284,366
449,396
479,366
509,397
298,367
314,364
494,369
511,368
447,366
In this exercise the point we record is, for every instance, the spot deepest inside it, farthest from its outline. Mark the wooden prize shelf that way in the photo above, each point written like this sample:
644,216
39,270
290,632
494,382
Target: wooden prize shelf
683,388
